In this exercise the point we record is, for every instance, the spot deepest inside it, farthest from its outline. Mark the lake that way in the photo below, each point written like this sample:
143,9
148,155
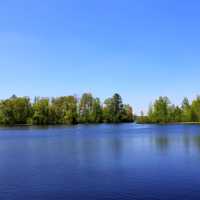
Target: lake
93,162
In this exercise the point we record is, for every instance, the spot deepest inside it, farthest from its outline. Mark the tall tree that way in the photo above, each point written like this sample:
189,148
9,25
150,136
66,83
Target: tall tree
85,108
63,110
127,114
160,110
195,110
113,109
186,110
175,114
71,114
107,111
96,114
41,108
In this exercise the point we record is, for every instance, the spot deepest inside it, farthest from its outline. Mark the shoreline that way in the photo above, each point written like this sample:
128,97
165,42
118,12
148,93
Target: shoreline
54,125
44,125
173,123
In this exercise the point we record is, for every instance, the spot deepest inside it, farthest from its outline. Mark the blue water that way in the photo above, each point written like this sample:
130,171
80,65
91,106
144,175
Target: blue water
121,162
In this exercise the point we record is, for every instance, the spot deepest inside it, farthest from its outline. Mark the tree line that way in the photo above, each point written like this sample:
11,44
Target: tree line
163,111
64,110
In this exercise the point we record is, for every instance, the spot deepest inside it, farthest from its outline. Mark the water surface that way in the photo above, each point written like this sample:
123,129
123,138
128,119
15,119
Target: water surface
88,162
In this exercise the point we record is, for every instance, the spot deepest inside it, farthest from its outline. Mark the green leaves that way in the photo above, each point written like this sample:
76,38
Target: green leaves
114,111
15,110
63,110
162,111
41,111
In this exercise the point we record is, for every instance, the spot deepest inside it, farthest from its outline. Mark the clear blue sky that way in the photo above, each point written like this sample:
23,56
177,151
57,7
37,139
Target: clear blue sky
139,48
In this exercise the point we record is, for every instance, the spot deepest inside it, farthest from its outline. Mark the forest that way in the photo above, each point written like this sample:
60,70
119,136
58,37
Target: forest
88,109
163,111
64,110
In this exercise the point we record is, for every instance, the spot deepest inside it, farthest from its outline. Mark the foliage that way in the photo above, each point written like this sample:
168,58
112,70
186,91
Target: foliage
162,111
86,108
127,114
63,110
15,110
41,111
115,111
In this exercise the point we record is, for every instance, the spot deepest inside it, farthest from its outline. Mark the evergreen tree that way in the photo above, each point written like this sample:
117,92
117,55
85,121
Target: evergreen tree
113,109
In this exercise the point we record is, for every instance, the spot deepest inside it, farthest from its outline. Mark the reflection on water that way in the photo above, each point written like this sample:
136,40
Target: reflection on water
196,141
100,162
162,142
170,139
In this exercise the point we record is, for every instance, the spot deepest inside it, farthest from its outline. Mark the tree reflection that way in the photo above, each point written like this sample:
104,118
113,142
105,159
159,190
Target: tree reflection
162,142
196,141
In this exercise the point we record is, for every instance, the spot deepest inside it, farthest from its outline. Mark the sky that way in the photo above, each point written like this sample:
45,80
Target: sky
140,49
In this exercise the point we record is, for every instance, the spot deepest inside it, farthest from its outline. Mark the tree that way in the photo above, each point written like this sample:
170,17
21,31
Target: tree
15,110
113,108
85,108
107,111
186,110
175,114
195,110
160,110
117,107
127,114
96,114
41,109
71,115
63,110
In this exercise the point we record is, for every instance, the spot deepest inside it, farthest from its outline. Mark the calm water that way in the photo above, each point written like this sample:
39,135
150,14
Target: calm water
122,162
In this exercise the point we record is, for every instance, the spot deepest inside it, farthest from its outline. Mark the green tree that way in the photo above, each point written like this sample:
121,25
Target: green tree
107,111
85,108
63,110
96,114
41,109
127,114
175,114
186,110
113,109
195,110
160,110
15,110
71,114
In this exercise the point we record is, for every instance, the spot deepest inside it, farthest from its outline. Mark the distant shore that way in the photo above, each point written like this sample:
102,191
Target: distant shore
171,123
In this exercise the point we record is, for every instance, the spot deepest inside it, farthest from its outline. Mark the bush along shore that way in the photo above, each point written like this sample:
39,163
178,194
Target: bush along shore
163,112
64,110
